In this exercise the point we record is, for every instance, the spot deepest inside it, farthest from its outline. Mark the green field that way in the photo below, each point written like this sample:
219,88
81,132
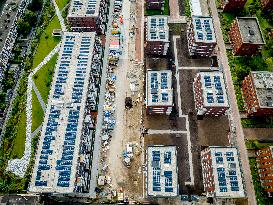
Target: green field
20,138
37,112
62,3
43,77
47,42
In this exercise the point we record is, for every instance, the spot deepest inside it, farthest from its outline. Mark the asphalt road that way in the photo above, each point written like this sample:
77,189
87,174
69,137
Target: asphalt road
235,116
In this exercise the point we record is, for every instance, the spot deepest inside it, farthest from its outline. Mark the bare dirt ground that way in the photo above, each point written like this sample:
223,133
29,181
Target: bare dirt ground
213,131
128,122
156,63
161,122
258,133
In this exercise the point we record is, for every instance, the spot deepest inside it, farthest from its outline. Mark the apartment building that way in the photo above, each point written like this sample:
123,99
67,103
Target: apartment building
246,36
162,171
65,151
201,36
210,95
258,94
232,5
221,170
157,35
88,15
159,92
155,4
264,161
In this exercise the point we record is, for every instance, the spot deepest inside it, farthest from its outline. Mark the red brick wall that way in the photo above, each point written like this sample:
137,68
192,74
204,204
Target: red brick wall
251,100
154,47
208,179
88,22
240,48
149,109
267,5
154,4
233,5
264,163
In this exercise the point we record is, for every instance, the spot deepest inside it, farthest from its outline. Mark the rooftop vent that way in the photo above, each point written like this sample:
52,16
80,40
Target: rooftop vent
251,32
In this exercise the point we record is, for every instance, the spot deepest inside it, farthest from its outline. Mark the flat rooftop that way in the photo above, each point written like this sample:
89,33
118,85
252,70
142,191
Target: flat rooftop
84,8
159,91
198,8
162,171
214,89
58,151
203,29
157,28
250,30
226,172
263,83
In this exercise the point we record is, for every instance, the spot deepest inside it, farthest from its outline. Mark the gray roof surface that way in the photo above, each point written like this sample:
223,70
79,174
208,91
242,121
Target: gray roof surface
250,30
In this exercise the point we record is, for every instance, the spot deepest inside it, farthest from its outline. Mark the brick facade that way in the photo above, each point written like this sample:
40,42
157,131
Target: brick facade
267,5
155,4
252,105
94,23
233,5
265,168
241,48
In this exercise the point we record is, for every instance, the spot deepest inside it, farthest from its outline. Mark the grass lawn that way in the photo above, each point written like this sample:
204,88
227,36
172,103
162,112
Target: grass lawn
187,8
47,42
256,144
37,112
19,142
43,77
62,3
226,20
257,122
261,196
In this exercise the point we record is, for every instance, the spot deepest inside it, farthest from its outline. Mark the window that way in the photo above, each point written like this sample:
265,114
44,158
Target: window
230,159
223,189
219,160
230,154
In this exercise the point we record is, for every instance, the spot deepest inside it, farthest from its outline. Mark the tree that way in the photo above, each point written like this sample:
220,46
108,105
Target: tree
23,27
3,101
30,17
8,83
35,5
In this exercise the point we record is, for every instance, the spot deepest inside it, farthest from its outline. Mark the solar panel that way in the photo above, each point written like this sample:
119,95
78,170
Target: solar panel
167,157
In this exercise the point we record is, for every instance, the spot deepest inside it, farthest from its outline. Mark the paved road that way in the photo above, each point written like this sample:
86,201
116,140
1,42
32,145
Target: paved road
235,116
97,142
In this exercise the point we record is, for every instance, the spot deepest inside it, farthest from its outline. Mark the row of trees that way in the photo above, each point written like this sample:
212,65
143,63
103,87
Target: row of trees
30,18
9,183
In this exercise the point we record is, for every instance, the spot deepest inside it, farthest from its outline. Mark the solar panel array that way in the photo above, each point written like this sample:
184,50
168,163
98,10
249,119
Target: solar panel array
159,86
204,30
231,170
163,170
83,7
63,136
214,90
158,29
